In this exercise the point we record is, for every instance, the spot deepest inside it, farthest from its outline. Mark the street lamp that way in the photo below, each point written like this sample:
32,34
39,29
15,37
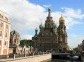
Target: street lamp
24,51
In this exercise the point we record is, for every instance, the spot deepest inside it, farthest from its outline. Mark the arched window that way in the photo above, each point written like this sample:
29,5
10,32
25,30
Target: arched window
5,43
6,35
15,41
6,26
0,33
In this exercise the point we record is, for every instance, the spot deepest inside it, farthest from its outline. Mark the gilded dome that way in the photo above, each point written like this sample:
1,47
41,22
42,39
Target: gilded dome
61,19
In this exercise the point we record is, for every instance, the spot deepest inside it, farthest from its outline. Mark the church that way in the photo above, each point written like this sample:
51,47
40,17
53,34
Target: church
51,37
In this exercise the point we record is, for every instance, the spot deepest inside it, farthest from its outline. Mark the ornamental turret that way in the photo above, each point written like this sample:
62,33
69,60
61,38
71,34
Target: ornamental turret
61,20
49,21
41,27
36,31
62,37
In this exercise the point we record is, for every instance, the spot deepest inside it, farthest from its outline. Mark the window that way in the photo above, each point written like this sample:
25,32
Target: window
6,26
0,42
15,41
6,35
1,16
0,33
1,24
5,43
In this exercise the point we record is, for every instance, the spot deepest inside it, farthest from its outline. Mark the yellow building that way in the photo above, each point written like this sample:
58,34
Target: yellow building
4,33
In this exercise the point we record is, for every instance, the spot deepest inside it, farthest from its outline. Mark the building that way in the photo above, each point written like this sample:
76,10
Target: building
14,42
4,33
50,36
62,35
83,45
80,47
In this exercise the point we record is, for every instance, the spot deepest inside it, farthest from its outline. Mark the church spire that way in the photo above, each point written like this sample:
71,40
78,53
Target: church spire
49,12
49,20
41,26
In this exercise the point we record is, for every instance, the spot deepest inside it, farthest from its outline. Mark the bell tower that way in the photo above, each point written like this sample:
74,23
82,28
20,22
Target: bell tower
61,20
62,34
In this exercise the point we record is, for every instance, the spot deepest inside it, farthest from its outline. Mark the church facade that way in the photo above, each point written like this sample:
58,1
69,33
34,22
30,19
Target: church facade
50,36
14,42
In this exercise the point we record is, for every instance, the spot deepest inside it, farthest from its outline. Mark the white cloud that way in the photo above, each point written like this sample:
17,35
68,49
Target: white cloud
73,16
74,13
25,15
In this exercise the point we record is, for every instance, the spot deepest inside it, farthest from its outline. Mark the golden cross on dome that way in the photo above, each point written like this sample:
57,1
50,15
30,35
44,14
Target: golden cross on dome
61,15
61,19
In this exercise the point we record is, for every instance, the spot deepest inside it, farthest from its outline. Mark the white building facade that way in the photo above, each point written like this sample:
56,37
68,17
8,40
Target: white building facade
4,33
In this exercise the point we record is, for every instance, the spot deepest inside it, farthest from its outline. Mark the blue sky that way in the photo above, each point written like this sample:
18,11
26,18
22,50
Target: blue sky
57,4
26,15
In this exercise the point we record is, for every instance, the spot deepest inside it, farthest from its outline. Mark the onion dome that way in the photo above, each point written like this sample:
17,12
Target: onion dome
61,19
36,29
41,26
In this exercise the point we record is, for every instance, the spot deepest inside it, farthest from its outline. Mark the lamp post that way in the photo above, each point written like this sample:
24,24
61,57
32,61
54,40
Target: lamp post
24,51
